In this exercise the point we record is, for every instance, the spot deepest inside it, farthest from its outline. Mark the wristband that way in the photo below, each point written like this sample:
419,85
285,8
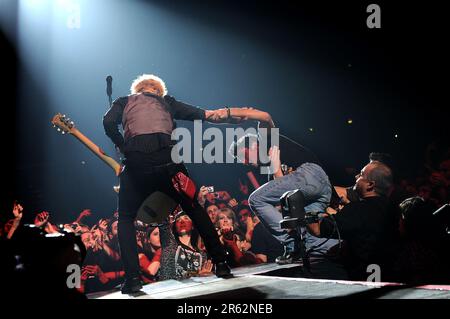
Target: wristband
228,112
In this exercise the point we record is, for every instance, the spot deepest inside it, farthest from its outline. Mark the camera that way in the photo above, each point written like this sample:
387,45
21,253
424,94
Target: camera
210,189
228,235
293,211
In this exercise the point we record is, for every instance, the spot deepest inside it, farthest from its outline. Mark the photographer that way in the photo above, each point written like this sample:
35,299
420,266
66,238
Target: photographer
301,171
369,226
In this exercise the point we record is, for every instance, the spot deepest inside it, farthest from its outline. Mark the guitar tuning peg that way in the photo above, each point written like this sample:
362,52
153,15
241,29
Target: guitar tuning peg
72,123
54,125
63,132
59,130
64,116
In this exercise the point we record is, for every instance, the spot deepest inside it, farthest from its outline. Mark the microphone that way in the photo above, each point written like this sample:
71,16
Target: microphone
109,85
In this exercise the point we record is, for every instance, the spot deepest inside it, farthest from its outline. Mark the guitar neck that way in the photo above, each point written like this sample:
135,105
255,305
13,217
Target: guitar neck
97,151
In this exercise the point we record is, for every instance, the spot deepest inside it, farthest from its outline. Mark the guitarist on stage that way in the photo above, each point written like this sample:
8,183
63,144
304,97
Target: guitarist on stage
147,117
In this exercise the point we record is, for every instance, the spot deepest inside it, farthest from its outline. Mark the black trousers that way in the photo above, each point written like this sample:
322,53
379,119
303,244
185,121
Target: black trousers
136,184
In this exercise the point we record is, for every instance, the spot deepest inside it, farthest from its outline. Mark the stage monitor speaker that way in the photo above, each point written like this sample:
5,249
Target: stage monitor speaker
156,208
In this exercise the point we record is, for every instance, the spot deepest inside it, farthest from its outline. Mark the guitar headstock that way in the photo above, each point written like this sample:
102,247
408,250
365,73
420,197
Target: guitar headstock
64,124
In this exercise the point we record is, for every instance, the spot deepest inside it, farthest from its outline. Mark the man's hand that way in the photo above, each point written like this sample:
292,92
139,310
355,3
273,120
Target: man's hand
225,115
232,203
85,213
17,211
41,219
201,197
216,116
220,116
103,224
275,162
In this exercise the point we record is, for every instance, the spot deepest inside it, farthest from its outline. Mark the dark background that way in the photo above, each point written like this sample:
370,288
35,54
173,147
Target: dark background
309,65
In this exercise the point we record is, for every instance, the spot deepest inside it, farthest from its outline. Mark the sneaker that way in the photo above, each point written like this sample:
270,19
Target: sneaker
131,285
223,270
289,257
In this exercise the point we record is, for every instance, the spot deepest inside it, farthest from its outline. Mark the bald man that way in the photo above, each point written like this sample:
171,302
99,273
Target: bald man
368,227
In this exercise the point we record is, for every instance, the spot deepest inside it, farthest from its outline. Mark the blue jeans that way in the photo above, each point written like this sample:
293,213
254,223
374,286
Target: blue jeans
315,186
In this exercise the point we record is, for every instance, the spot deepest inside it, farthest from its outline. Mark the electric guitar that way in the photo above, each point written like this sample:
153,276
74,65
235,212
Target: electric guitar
65,125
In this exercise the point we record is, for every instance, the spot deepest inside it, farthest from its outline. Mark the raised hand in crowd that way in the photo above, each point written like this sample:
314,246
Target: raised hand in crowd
243,187
233,203
97,238
12,224
41,219
201,197
101,239
84,213
17,210
73,228
103,224
250,222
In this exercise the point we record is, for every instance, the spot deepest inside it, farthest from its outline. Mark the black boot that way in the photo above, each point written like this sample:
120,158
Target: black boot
131,285
223,270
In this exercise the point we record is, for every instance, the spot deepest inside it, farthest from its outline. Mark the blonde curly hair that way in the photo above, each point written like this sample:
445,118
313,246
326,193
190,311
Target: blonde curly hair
148,83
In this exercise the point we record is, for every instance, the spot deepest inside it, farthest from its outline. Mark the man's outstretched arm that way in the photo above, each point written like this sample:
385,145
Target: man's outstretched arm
238,114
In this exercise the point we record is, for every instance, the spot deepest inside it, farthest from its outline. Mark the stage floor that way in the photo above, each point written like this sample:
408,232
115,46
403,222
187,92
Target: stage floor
272,281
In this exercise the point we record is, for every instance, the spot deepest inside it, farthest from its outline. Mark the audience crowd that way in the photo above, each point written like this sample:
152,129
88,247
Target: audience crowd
174,250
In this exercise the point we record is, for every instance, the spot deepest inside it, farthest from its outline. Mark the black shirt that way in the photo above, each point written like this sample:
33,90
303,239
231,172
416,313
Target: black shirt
370,230
264,243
